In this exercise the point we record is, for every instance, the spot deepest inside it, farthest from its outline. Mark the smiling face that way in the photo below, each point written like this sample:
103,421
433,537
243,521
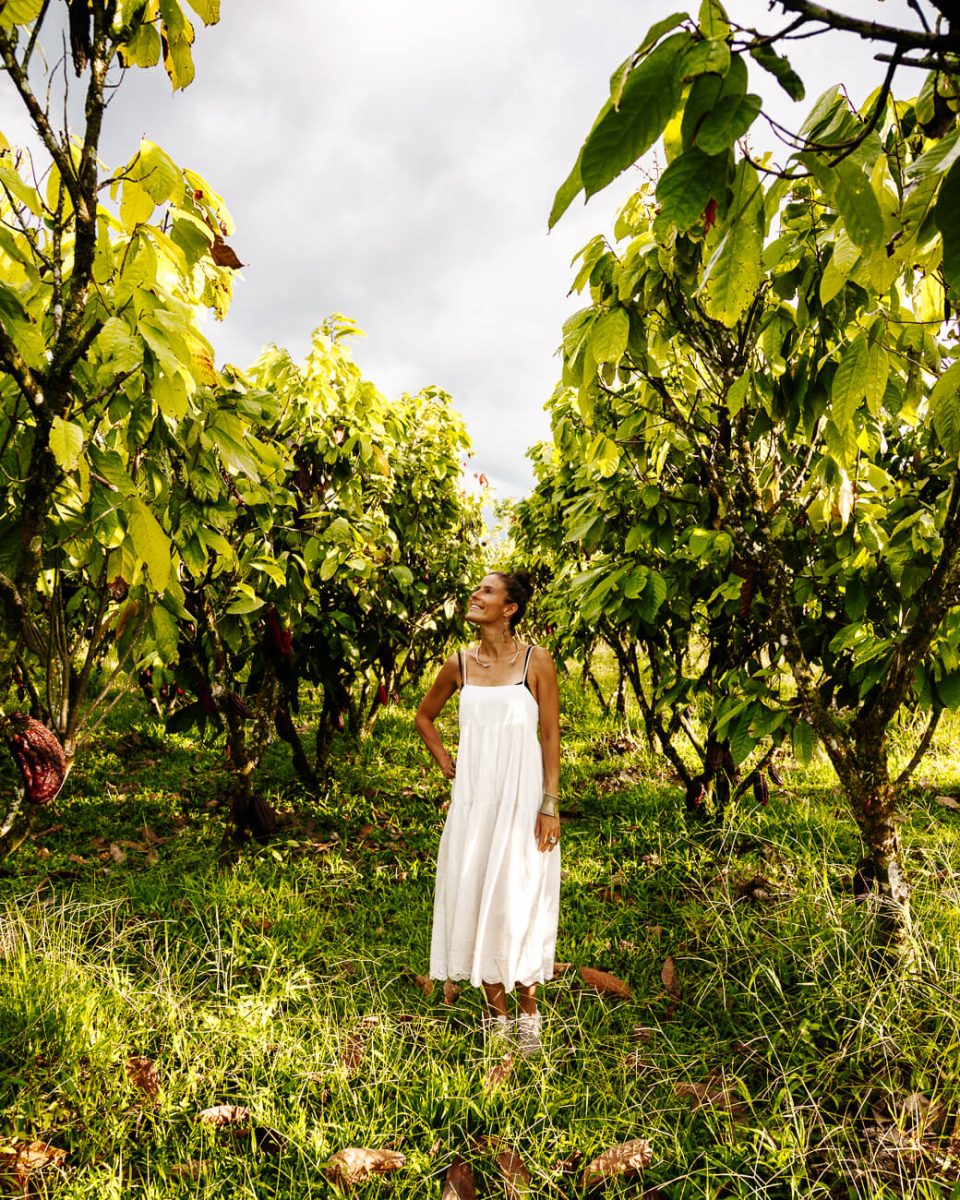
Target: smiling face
488,602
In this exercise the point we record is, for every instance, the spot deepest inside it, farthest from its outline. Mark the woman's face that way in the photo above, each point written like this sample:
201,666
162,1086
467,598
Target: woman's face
488,601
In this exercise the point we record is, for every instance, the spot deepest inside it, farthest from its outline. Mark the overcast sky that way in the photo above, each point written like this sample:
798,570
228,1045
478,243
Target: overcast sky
395,160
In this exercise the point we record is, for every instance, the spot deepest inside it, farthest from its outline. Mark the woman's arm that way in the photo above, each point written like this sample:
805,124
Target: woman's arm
547,696
445,684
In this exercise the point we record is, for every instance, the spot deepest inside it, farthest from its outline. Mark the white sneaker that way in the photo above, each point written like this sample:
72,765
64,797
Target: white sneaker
528,1026
497,1034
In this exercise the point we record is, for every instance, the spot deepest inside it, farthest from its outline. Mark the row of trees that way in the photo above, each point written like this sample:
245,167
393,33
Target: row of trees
220,537
752,493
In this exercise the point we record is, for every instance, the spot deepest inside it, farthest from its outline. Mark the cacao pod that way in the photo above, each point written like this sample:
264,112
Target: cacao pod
761,789
382,694
239,705
283,723
279,639
39,756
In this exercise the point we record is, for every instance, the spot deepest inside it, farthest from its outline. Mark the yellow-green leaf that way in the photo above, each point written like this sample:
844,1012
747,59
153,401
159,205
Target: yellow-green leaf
945,407
136,205
735,270
848,387
66,443
207,10
156,172
19,12
150,543
608,338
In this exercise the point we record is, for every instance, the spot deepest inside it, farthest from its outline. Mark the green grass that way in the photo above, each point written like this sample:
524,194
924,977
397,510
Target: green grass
246,982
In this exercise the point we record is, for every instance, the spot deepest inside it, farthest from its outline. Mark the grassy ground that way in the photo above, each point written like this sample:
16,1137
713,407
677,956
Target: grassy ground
758,1053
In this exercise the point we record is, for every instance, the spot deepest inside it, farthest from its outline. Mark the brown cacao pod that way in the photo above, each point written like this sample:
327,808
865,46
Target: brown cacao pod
39,756
239,705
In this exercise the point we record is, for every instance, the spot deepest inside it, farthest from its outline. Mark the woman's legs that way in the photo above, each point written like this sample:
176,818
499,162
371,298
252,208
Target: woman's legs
496,999
527,998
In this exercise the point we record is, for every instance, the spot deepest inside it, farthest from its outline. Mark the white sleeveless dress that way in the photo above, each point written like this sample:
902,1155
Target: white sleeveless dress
497,899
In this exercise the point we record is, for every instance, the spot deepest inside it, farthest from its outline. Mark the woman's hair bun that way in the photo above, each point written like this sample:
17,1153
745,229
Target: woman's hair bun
525,579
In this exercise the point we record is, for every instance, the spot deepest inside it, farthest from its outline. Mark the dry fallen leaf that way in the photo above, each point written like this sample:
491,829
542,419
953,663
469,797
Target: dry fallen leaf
459,1183
116,853
142,1073
354,1164
560,968
669,978
712,1093
78,859
516,1177
424,983
603,982
570,1164
224,1114
948,802
451,991
655,930
19,1160
353,1052
498,1072
627,1158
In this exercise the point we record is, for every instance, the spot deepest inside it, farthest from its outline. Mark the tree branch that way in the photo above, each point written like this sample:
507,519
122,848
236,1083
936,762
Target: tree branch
872,31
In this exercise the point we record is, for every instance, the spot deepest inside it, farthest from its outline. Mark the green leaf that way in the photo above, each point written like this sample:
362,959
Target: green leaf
19,12
939,158
709,57
712,20
165,634
608,338
945,408
604,454
66,443
566,193
948,688
779,67
143,48
850,191
654,595
947,216
685,187
876,376
737,394
156,172
848,387
710,93
136,205
804,743
650,96
117,344
150,542
735,270
178,38
207,10
403,575
729,121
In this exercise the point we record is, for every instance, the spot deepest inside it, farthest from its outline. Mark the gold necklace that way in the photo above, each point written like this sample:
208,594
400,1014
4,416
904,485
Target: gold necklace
480,663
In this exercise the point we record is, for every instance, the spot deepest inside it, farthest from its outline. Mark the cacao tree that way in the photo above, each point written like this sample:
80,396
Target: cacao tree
325,550
101,357
788,332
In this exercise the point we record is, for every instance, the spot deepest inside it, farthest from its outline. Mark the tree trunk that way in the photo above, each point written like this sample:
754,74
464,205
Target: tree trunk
880,878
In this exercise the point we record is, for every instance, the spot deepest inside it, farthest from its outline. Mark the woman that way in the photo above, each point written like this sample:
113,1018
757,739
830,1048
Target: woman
498,870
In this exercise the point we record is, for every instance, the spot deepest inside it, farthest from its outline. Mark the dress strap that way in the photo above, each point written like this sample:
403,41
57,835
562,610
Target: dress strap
526,664
463,672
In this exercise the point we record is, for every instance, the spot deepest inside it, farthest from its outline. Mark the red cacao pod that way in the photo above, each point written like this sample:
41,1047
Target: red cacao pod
39,756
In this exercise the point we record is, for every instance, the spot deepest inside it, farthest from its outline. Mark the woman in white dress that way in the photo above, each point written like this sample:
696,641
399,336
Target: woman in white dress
497,895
